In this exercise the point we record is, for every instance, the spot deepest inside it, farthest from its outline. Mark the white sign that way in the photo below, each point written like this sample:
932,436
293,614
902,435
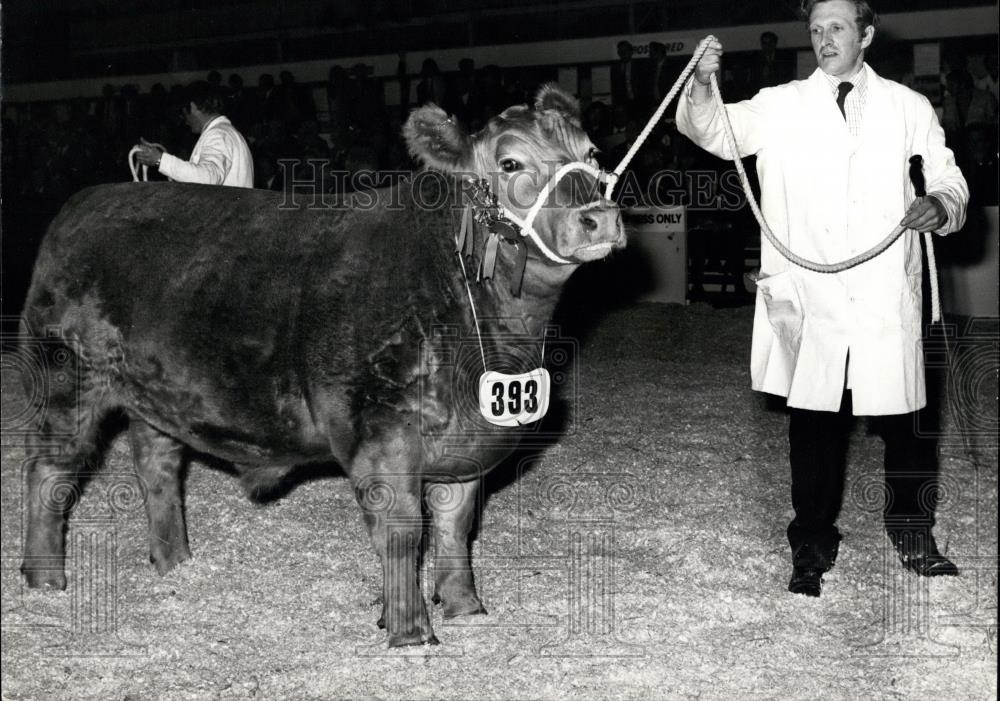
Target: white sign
655,220
514,400
659,235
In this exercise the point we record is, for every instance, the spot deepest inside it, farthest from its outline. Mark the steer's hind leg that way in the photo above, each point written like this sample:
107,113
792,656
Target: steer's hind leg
159,460
63,439
385,476
453,506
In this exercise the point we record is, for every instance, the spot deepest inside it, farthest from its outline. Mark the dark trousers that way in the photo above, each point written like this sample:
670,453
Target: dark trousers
818,451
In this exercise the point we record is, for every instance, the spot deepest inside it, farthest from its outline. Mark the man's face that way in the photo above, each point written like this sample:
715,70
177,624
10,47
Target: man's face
838,45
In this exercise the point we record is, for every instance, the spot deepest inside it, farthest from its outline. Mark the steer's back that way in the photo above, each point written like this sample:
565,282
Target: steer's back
207,307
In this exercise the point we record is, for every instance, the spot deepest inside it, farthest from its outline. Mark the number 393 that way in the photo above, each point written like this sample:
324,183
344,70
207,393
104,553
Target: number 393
514,400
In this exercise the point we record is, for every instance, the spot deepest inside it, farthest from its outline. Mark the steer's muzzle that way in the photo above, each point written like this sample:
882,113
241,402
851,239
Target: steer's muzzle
595,230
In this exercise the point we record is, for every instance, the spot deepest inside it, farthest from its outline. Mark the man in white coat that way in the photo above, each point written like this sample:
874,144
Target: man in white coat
221,155
832,157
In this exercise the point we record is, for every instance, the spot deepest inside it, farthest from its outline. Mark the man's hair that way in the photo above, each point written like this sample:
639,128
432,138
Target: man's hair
864,15
769,35
204,96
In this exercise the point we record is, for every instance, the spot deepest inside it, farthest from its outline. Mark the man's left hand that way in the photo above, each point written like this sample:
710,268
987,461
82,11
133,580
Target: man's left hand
925,214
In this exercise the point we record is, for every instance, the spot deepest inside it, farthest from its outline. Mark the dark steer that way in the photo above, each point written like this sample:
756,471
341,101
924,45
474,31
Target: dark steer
273,336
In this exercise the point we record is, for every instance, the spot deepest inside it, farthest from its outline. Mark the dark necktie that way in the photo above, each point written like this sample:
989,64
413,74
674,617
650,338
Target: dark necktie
842,91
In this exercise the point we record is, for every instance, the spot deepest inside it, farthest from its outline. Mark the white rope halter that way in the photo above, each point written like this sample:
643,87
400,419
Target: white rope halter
526,224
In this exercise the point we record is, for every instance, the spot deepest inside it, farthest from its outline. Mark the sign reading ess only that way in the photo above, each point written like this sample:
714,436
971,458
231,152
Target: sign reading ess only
659,236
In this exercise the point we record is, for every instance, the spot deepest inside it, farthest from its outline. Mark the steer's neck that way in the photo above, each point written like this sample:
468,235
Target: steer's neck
533,308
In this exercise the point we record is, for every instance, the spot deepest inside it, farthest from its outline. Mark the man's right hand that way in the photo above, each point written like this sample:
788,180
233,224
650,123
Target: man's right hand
710,61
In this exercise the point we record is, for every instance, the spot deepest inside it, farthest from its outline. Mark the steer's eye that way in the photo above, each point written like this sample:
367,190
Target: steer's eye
509,165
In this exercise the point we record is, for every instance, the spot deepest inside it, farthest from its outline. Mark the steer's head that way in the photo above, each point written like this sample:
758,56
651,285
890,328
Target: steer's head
518,153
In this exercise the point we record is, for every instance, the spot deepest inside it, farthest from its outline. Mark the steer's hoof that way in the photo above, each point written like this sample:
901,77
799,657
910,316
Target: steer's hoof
477,611
461,604
406,640
166,561
44,578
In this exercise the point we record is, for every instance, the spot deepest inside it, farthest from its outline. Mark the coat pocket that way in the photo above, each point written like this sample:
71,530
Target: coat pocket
784,307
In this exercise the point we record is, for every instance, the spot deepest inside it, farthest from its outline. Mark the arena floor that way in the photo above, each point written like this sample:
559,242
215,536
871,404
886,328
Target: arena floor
641,555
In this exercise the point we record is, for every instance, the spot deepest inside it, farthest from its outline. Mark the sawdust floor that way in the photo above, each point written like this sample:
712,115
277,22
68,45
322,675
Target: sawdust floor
642,555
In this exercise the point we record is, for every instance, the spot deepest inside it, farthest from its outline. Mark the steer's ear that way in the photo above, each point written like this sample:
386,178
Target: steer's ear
436,140
552,98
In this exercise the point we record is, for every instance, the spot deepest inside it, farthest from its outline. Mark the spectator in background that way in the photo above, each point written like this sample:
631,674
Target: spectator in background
109,112
131,112
624,81
617,132
237,103
431,87
309,144
492,95
463,99
596,122
266,173
221,156
981,164
467,69
966,104
660,75
214,79
988,79
276,138
266,99
516,86
157,106
294,103
340,105
403,77
771,68
617,151
369,96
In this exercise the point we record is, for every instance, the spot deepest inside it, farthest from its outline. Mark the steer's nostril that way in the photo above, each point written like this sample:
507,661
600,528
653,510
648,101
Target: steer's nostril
589,223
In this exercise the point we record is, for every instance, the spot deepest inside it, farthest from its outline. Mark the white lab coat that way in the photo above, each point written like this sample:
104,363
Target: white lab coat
221,157
829,196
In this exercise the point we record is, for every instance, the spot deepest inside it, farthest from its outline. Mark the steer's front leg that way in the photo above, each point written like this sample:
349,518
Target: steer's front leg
386,479
453,508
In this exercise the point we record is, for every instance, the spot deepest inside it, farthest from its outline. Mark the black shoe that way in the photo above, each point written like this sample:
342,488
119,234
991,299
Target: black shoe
932,565
822,557
919,553
806,580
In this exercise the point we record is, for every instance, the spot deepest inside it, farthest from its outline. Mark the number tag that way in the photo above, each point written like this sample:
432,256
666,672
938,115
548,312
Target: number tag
514,400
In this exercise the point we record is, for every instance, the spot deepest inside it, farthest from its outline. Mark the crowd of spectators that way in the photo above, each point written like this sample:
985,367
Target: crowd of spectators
52,149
